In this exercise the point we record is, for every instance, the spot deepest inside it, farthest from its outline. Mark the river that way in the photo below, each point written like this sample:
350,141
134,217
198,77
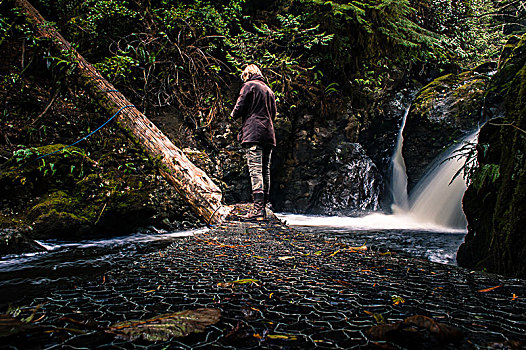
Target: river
25,276
64,263
397,233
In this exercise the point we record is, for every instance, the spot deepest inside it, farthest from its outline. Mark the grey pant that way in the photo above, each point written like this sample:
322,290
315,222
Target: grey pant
258,161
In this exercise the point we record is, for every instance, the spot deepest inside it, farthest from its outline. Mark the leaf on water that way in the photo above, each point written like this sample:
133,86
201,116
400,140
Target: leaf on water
285,257
415,328
336,252
164,327
488,289
379,318
397,299
361,248
11,326
241,281
282,336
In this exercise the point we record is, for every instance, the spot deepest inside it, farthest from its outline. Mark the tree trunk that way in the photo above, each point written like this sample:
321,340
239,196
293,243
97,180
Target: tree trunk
191,182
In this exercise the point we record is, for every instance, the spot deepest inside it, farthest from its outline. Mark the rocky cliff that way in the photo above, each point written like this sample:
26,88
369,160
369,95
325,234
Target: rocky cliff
495,201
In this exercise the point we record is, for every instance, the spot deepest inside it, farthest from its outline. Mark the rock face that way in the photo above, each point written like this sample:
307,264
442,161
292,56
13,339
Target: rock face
351,182
442,112
321,172
495,201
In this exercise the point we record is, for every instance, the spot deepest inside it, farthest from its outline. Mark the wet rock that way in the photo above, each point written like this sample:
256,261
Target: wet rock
320,171
495,201
351,182
443,111
415,332
15,242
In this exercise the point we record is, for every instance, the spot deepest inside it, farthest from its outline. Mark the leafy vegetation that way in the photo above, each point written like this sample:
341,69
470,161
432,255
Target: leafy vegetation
188,54
179,63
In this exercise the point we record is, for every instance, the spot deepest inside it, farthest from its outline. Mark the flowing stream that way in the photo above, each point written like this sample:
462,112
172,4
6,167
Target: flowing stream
28,275
428,223
398,172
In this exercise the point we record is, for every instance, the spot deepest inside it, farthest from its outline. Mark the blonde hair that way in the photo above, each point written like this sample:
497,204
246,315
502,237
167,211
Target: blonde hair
249,71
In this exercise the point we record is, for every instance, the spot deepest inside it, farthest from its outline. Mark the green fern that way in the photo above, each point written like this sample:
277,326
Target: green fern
484,174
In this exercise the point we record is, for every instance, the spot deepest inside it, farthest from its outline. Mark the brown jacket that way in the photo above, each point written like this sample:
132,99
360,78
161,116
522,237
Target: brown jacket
256,105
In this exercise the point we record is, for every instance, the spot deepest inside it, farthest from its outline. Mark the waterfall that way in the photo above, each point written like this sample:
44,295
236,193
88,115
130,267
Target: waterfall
398,172
435,199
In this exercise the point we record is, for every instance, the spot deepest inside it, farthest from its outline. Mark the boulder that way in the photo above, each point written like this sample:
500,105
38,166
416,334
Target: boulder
15,242
69,195
351,182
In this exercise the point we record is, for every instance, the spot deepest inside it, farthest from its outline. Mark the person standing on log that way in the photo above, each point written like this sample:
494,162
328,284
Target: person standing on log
256,107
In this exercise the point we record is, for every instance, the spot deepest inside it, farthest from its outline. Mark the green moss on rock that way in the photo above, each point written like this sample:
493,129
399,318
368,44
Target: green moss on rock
495,209
442,113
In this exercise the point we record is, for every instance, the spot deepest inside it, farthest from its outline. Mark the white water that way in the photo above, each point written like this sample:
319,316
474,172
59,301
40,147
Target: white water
398,172
434,205
436,199
118,241
371,222
57,251
29,275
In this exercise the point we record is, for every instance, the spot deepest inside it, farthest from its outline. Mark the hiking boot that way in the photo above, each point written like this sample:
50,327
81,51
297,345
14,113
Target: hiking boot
267,206
258,211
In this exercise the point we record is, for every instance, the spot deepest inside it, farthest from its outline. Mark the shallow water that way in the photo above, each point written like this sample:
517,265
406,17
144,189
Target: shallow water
386,232
26,276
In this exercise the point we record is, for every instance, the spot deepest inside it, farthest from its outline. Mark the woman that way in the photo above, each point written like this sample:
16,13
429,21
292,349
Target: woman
256,106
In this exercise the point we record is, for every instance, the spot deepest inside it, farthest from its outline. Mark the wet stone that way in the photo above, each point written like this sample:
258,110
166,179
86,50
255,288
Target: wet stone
300,291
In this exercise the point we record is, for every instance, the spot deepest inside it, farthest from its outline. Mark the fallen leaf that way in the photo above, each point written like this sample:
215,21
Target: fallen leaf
11,326
282,336
397,300
488,289
336,252
241,281
379,318
363,247
285,257
164,327
413,329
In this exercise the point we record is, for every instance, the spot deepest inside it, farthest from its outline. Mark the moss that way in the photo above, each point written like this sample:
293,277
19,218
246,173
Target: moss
495,213
8,222
58,224
55,201
453,97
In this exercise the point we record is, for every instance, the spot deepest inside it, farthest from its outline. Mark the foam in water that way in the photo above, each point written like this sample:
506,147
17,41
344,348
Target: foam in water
375,221
436,199
434,205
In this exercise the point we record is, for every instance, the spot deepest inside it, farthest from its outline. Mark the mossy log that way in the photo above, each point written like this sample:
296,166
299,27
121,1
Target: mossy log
191,182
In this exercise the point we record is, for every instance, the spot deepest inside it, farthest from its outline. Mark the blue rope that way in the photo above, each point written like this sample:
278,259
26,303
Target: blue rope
85,137
74,143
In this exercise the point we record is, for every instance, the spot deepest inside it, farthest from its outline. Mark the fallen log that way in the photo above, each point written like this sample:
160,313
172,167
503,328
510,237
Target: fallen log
192,183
